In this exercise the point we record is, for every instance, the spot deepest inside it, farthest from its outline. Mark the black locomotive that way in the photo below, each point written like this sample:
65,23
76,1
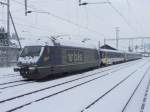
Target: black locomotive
36,62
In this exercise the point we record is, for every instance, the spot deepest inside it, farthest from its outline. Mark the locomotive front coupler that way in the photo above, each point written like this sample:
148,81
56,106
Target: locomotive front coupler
17,69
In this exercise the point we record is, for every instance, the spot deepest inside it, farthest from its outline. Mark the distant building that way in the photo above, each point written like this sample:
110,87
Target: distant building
8,53
3,37
107,47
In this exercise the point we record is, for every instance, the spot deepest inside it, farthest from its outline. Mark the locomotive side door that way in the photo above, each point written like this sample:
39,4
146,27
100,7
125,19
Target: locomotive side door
46,55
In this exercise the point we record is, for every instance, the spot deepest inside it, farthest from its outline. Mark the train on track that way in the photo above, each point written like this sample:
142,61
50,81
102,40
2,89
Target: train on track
114,56
37,62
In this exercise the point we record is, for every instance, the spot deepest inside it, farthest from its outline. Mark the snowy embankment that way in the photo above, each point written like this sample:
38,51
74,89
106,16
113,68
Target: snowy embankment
7,74
6,71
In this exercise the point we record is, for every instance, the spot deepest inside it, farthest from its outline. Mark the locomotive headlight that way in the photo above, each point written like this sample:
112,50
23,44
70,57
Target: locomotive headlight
32,68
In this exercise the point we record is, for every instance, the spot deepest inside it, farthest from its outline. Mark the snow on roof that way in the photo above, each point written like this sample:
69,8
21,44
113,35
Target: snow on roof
118,51
108,50
108,47
59,41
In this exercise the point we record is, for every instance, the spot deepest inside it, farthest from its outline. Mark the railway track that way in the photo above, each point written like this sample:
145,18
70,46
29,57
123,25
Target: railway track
117,85
143,105
10,82
8,76
123,110
10,79
23,82
15,85
55,93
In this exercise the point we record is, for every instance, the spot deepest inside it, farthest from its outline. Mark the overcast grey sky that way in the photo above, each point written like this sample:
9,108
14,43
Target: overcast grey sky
93,21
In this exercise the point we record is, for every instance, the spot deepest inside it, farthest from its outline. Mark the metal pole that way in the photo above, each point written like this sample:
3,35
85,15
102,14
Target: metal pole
15,30
99,48
117,36
129,45
104,41
132,45
99,45
144,46
25,1
8,16
8,27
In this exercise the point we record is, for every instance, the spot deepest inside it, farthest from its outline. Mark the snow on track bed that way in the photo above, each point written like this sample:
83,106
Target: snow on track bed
6,83
43,89
140,100
121,95
94,71
44,95
12,84
8,75
76,100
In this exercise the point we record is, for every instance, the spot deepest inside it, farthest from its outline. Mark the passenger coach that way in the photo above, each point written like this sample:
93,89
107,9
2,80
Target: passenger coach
114,56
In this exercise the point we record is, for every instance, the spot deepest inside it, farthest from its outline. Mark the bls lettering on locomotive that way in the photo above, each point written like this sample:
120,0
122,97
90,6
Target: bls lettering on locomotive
75,56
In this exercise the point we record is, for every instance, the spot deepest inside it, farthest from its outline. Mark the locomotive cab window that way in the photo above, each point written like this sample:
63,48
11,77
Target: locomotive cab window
31,51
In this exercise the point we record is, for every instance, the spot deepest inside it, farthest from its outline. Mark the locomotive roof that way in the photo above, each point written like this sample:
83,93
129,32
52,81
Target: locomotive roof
118,51
76,43
58,42
107,47
108,50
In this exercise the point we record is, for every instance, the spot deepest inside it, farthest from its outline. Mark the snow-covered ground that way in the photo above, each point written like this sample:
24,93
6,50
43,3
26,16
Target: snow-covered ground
7,74
6,70
109,89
